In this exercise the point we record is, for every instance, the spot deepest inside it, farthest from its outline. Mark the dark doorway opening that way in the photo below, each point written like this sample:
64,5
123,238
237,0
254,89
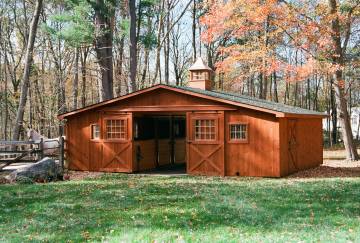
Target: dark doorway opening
160,142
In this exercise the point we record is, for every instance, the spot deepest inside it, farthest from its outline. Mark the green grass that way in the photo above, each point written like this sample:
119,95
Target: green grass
117,208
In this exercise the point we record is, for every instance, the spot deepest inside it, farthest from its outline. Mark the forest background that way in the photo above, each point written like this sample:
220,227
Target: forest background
61,55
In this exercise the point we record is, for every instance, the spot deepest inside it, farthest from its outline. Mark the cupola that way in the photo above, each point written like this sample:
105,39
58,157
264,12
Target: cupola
200,75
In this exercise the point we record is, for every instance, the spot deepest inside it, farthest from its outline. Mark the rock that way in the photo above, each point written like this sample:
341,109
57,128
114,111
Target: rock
3,180
44,170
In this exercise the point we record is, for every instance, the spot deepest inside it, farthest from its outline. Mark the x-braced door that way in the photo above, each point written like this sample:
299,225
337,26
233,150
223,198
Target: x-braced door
292,144
205,143
117,143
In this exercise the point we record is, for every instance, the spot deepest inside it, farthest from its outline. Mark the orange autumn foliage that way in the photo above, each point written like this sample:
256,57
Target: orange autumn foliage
260,33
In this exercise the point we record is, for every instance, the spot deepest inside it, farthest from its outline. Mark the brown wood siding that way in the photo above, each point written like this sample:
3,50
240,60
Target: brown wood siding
147,159
265,154
148,153
307,152
78,139
165,98
180,151
284,165
164,151
205,157
96,155
95,147
259,156
117,154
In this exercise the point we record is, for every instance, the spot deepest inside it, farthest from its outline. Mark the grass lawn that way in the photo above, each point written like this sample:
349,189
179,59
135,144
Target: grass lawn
119,207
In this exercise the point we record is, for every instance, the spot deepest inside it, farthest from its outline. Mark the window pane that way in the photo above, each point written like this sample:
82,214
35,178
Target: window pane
95,131
115,129
205,129
238,131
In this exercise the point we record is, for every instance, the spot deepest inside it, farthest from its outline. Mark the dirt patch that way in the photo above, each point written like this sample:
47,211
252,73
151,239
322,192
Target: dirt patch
327,172
81,175
331,168
71,175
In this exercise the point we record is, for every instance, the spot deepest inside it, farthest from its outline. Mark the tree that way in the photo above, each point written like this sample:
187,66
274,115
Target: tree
194,30
133,44
248,37
338,60
294,39
79,32
104,27
26,75
66,45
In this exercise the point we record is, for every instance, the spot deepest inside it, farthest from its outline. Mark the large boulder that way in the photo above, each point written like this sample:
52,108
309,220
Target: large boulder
44,170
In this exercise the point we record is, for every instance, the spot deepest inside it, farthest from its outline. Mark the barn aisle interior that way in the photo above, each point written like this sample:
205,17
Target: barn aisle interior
160,143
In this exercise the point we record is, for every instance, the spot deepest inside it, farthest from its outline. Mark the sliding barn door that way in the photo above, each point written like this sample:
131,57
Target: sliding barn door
117,143
205,143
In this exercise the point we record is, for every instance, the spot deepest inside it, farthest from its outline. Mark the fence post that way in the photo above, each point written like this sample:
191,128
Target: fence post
61,154
41,148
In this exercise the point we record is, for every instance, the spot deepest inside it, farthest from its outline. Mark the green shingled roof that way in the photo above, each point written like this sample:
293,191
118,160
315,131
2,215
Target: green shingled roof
247,100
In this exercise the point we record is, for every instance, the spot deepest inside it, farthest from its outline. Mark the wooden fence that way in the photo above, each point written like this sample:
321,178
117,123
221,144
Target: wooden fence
29,152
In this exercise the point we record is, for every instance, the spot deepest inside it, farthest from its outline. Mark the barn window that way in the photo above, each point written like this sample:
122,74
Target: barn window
115,129
238,132
95,131
205,129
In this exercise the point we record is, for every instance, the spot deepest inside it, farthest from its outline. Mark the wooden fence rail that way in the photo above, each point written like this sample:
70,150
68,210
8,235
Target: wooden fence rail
28,152
4,142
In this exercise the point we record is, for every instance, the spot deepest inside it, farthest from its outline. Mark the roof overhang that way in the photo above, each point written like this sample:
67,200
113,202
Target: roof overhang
188,92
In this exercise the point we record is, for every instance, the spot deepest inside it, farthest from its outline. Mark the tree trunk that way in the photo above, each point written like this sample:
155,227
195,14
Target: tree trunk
3,76
40,107
344,119
119,66
308,95
296,88
276,97
264,95
338,60
103,49
167,43
316,93
30,117
76,78
261,87
333,114
120,78
358,127
83,61
158,46
194,30
6,115
146,57
26,75
133,45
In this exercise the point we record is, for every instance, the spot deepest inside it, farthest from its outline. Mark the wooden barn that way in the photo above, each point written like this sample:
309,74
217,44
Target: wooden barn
209,132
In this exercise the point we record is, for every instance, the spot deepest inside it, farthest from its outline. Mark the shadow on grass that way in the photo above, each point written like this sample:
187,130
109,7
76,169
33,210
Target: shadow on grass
94,209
